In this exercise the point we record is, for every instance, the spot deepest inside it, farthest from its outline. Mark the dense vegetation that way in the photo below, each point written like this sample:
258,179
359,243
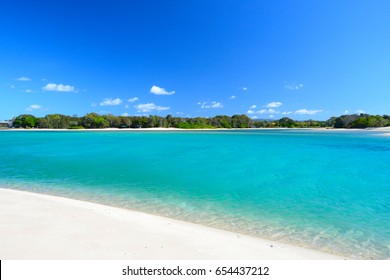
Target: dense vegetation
361,121
94,120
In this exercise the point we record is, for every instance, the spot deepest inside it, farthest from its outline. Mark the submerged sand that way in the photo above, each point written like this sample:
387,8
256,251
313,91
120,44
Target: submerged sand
37,226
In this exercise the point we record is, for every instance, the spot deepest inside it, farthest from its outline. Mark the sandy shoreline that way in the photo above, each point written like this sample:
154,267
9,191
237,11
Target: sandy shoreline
36,226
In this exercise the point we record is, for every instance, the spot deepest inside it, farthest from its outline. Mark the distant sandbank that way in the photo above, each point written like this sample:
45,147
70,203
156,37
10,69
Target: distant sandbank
37,226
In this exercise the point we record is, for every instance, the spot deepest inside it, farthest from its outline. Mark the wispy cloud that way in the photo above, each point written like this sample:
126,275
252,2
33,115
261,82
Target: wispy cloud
34,107
243,88
307,112
111,102
23,79
274,104
263,111
160,91
207,105
148,107
59,87
270,109
233,97
293,86
132,100
125,115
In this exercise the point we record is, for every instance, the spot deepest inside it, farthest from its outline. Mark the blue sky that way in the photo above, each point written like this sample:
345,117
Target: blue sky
267,59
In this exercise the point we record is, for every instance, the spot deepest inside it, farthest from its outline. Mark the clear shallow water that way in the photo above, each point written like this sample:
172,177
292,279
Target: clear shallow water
323,190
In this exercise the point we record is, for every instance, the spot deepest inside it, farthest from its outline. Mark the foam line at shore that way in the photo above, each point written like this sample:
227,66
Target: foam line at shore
37,226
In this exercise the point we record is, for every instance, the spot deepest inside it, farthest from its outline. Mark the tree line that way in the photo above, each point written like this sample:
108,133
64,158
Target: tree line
94,120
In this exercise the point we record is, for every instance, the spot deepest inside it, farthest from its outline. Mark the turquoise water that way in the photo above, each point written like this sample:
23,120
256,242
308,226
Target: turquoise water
324,190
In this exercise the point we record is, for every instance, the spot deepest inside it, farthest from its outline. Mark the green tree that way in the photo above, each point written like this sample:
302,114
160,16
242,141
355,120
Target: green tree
113,121
124,122
364,121
331,122
286,122
94,120
25,121
241,121
344,121
221,121
42,123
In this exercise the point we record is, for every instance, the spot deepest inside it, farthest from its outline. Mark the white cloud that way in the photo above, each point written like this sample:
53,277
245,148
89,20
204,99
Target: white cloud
59,87
110,102
34,107
233,97
132,100
148,107
243,88
272,111
207,105
126,106
274,104
263,111
307,112
216,105
125,115
293,86
160,91
93,104
254,117
23,79
346,112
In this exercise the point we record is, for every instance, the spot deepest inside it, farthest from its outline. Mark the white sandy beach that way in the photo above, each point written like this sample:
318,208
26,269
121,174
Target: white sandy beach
377,129
36,226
